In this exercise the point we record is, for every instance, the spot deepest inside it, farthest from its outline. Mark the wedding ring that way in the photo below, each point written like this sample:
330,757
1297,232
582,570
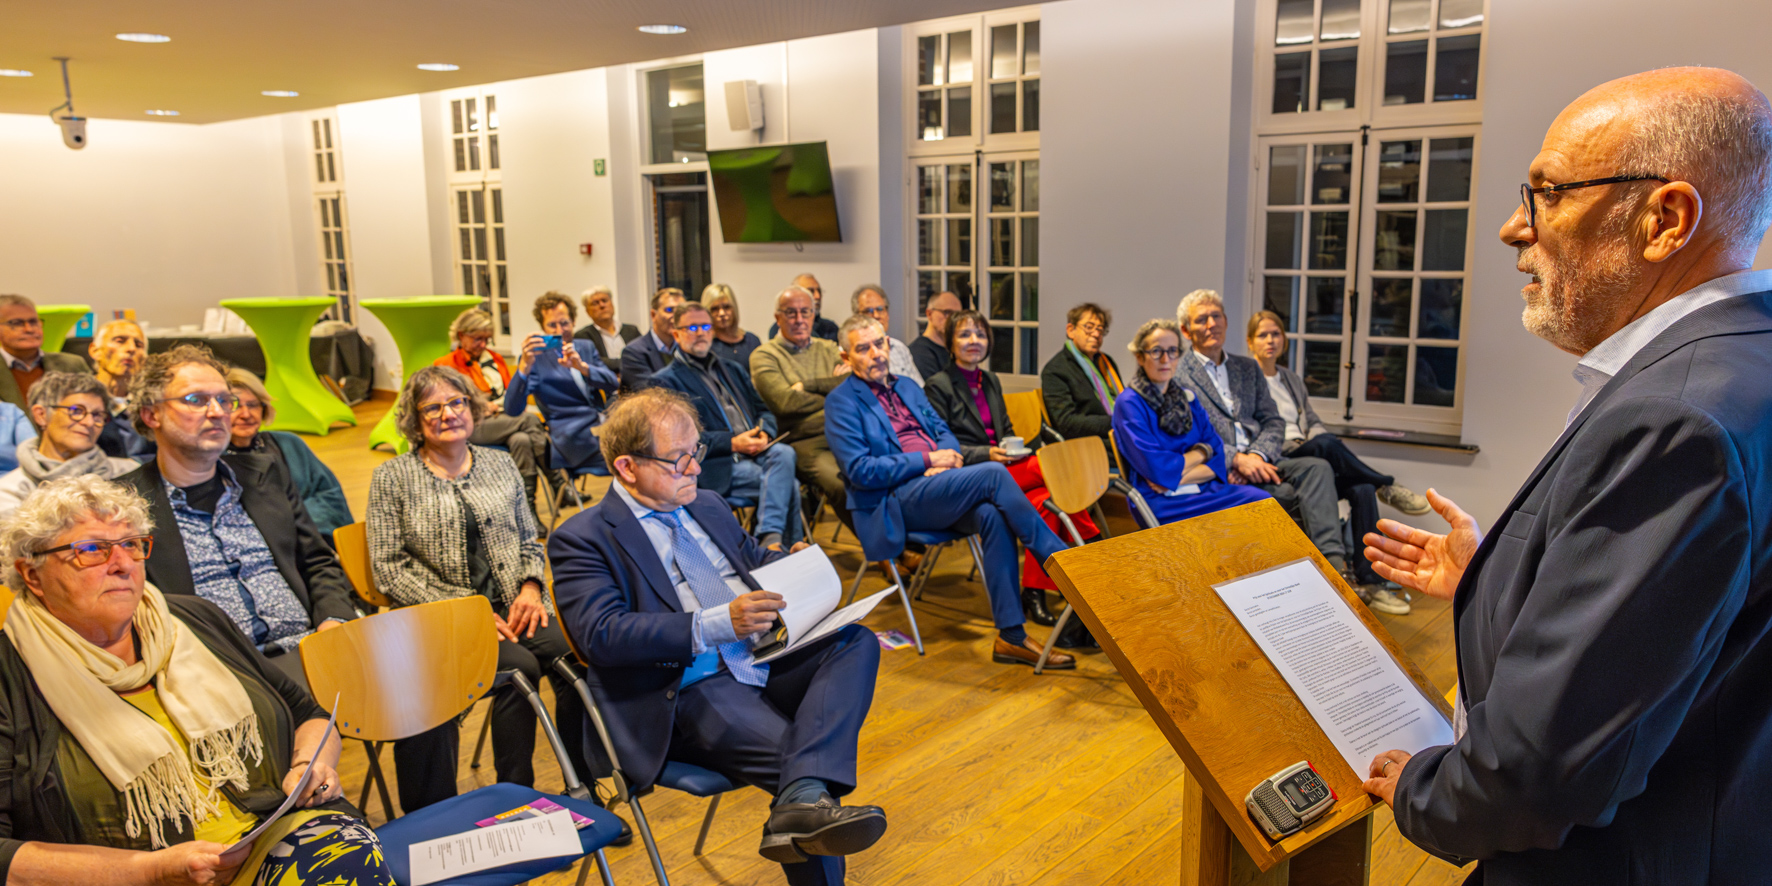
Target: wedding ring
1386,767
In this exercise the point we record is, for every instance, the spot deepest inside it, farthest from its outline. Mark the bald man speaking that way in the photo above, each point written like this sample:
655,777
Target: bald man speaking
1615,669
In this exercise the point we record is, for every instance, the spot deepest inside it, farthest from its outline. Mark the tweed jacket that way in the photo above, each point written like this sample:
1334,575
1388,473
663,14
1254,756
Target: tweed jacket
1255,410
53,361
418,535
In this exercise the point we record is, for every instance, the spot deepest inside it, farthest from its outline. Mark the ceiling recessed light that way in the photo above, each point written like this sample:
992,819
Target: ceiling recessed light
280,93
13,72
160,113
663,29
145,38
439,66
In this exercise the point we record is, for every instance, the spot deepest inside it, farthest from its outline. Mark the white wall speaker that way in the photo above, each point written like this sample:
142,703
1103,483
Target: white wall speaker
744,105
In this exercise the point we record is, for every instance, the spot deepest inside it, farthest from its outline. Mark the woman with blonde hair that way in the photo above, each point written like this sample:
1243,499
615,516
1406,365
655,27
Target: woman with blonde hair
730,340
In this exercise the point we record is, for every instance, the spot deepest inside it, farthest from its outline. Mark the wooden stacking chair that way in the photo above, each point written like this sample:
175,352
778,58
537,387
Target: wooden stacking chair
1076,474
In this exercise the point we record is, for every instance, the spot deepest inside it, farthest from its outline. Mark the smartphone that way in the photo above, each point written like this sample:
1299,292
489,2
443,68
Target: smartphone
550,342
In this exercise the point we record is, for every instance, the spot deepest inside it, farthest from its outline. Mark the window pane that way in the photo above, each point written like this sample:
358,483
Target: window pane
960,57
1292,82
1399,172
326,243
1280,295
461,206
1322,368
1002,296
677,122
1030,296
332,277
1409,16
959,111
491,112
960,284
476,201
928,189
1003,349
1331,180
1030,344
1455,73
1002,242
960,187
331,171
1002,52
1393,243
338,243
1441,303
1293,22
498,243
317,143
1405,72
928,67
1002,186
1284,233
498,205
1387,368
1030,106
492,151
1436,376
1341,19
1323,297
1030,48
928,246
326,127
1030,242
467,244
959,241
461,156
455,117
1328,241
1390,307
320,167
1335,78
1460,13
928,284
480,243
1285,175
1442,241
1030,185
1002,107
929,115
467,276
1449,169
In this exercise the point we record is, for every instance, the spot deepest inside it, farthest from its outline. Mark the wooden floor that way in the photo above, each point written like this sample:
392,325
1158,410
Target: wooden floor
988,773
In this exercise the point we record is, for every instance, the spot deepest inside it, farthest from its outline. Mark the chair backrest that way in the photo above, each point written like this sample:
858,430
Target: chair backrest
1119,463
1076,472
406,670
353,555
571,644
5,603
1027,410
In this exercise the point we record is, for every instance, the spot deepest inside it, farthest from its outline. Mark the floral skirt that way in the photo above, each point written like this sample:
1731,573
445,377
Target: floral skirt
316,848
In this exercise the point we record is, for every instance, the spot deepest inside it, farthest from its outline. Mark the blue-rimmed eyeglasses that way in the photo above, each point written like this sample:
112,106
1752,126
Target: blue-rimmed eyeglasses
1527,192
699,327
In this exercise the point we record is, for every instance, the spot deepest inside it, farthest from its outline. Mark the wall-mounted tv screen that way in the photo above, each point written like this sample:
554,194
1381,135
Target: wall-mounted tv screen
775,194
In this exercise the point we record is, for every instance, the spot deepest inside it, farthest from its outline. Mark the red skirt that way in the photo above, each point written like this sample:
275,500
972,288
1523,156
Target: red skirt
1033,484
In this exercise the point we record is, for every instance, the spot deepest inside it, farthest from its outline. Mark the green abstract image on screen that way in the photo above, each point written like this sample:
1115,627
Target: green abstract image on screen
775,194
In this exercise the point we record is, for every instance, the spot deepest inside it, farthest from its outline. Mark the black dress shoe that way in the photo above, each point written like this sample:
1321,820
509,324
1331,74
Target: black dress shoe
1076,636
796,830
626,837
1033,605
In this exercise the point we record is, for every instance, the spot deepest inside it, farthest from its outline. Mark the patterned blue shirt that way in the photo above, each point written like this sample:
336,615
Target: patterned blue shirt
231,566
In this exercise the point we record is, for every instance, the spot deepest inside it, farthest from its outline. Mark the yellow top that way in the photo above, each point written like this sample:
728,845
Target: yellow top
231,823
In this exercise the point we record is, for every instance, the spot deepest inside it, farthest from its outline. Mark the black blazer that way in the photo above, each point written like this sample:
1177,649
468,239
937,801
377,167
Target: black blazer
271,500
1613,646
640,359
716,471
1071,404
589,333
952,398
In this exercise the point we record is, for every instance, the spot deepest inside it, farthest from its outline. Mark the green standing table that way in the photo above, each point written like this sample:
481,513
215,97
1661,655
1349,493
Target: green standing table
420,327
283,327
58,320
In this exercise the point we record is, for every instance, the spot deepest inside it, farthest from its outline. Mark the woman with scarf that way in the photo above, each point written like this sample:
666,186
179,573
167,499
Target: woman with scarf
143,735
320,491
72,408
1175,458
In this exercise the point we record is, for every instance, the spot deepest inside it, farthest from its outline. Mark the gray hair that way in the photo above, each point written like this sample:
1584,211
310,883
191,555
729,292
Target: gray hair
18,300
855,297
241,377
1721,145
793,290
407,419
54,508
1193,300
632,423
470,321
54,387
1151,327
856,321
585,296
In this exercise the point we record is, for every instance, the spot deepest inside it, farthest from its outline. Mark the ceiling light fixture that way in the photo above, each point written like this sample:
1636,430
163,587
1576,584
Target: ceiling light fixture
280,93
13,72
439,66
160,113
144,38
663,29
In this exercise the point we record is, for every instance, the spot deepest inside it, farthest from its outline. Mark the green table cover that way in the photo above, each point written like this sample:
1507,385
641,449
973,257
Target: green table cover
283,327
420,327
58,321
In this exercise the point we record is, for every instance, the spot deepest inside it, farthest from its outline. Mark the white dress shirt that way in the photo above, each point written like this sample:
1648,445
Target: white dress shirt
1221,379
612,341
714,626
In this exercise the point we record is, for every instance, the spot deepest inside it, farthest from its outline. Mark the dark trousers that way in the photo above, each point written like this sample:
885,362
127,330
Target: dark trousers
803,723
1358,483
426,763
983,499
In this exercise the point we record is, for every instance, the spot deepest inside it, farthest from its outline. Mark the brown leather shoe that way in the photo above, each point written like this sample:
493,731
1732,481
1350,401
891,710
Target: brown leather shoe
909,561
1028,653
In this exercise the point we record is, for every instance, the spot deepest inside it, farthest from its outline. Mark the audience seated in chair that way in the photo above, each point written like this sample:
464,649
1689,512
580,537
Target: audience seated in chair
125,709
232,530
15,430
609,338
870,299
318,487
21,347
654,584
117,351
969,398
651,352
522,435
1081,381
736,427
906,473
731,341
446,520
793,371
571,385
821,327
71,408
1175,457
929,351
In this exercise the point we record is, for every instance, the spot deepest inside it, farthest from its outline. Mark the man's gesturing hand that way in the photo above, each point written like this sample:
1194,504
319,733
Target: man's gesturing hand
754,612
1422,560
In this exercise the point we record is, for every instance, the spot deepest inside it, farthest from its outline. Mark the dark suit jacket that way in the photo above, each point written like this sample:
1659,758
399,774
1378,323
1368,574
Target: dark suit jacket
617,603
821,328
640,359
1071,404
569,413
271,500
589,332
952,398
1255,410
873,465
53,361
716,472
1613,648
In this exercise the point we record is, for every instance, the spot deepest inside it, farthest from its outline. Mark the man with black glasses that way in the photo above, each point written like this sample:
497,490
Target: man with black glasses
21,346
821,327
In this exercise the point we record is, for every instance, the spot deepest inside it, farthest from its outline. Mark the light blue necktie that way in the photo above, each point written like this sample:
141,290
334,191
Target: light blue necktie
711,591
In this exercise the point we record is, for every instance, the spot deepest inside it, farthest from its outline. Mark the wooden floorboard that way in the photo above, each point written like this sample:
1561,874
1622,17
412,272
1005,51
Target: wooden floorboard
989,774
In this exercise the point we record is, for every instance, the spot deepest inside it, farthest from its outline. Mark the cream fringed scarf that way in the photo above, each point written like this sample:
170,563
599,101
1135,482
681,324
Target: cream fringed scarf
137,755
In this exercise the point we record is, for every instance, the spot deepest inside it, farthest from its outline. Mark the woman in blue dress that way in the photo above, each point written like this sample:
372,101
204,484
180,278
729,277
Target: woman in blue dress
1175,458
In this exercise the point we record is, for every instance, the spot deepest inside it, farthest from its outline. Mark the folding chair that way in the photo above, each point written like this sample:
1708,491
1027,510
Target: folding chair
1141,511
936,541
1076,474
410,670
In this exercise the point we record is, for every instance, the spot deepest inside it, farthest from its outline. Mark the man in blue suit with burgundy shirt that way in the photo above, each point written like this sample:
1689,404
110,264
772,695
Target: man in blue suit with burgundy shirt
654,584
904,473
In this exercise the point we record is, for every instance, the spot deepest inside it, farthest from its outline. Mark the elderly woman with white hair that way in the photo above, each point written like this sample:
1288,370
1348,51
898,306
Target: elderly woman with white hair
731,341
144,735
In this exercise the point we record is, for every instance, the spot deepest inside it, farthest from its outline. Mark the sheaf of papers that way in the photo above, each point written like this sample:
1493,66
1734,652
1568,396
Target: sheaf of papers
242,846
549,836
808,583
1357,693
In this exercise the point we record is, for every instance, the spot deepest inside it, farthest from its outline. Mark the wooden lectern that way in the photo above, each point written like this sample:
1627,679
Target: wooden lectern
1148,599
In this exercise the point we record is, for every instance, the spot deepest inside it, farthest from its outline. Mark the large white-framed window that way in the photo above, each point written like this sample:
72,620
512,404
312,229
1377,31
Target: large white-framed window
1367,122
477,211
330,219
973,193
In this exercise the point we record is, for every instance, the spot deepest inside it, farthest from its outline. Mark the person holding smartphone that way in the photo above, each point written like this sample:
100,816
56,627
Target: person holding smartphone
571,385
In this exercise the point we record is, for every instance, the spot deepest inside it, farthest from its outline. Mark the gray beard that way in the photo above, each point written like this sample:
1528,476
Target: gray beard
1577,295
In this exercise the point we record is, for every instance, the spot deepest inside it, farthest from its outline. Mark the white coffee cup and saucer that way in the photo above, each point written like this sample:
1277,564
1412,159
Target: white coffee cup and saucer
1015,447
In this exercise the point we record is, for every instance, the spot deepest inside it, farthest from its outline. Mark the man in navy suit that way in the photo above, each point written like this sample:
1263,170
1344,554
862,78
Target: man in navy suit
736,427
1613,648
904,472
570,384
651,352
654,584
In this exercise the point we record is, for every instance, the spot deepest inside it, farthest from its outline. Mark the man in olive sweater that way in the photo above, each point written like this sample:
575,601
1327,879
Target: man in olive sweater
793,372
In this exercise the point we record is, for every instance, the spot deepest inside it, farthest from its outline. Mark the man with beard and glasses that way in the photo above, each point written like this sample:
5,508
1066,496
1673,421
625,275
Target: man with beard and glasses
1613,643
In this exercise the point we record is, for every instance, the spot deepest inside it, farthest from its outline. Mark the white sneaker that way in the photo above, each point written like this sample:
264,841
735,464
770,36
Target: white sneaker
1384,600
1404,499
